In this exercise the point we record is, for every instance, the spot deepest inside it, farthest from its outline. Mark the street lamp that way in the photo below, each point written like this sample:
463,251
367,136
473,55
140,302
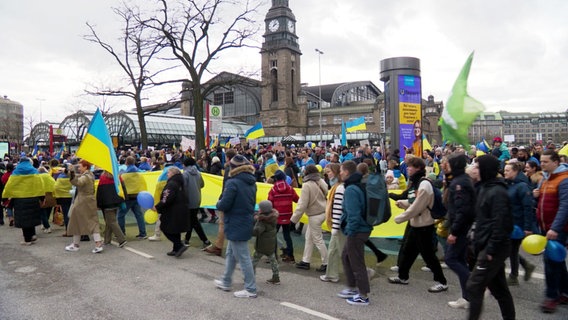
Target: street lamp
319,52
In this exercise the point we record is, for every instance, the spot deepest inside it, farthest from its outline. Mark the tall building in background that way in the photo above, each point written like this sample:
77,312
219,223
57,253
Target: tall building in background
281,112
11,123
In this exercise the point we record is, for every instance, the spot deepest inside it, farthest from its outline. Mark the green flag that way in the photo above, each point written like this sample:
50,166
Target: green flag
461,109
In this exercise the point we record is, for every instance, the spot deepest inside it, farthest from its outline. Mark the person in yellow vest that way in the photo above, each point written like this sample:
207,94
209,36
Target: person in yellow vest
62,193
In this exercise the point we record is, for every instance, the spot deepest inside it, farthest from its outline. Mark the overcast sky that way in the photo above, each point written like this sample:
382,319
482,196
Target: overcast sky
521,47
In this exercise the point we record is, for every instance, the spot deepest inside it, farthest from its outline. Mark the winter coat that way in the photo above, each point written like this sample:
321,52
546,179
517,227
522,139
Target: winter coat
461,205
83,212
493,217
313,200
193,183
417,204
282,195
520,195
237,202
216,168
353,207
173,206
107,197
552,210
265,232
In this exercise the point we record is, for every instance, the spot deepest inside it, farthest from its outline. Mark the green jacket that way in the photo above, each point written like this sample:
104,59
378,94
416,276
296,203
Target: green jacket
265,232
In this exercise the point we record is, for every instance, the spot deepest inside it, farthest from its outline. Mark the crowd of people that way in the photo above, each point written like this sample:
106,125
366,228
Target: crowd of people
486,193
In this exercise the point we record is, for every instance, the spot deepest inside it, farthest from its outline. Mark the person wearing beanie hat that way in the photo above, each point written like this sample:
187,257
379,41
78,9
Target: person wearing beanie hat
461,214
216,167
493,227
265,233
282,195
279,175
237,202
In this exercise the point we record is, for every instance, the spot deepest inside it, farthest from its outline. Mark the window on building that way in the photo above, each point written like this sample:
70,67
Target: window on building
229,97
218,99
337,119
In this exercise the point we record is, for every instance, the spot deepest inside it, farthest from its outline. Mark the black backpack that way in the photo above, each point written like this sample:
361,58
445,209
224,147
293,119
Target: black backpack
377,206
438,210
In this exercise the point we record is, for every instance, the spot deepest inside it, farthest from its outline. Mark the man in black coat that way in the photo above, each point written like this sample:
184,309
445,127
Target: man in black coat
493,226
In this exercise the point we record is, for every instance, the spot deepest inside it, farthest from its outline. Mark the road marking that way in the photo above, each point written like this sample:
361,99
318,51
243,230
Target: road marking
140,253
308,311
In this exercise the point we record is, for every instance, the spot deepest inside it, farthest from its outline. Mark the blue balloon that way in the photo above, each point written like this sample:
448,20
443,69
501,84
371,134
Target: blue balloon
555,251
145,199
517,233
289,180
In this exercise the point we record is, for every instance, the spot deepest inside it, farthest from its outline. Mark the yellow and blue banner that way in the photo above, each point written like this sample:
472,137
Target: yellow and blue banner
34,152
25,182
97,148
255,131
426,144
356,125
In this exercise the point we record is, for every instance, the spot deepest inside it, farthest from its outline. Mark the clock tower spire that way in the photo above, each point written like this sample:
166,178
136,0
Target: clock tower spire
281,113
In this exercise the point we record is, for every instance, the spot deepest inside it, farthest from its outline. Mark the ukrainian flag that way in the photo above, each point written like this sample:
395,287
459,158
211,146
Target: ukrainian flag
97,148
62,187
160,184
25,182
356,125
256,131
425,144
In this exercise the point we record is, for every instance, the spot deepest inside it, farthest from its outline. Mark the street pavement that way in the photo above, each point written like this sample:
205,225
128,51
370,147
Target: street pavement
43,281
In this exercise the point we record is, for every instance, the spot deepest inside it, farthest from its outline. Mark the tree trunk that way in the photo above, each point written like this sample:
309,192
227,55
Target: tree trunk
198,115
142,123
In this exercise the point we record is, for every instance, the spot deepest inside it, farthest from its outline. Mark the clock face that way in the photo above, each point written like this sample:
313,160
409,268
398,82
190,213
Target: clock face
291,26
273,25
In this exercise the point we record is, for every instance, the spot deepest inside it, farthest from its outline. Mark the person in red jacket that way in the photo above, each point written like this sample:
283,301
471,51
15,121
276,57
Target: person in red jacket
282,195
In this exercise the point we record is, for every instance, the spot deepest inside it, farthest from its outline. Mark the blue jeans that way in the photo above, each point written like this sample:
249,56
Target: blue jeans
135,207
238,251
455,257
556,274
45,213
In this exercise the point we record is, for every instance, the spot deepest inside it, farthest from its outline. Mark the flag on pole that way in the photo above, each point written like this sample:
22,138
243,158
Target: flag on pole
255,131
461,109
343,134
34,153
564,151
356,125
483,145
58,155
97,148
425,144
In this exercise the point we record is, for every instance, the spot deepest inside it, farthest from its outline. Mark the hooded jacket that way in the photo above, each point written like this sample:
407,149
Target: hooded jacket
282,195
172,207
265,232
353,206
313,199
552,210
193,183
494,220
521,198
237,202
461,199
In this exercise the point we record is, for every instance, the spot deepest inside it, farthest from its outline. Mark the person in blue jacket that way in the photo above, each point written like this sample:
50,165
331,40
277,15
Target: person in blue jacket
357,232
237,203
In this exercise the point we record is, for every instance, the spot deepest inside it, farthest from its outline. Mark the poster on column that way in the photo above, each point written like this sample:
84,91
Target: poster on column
410,115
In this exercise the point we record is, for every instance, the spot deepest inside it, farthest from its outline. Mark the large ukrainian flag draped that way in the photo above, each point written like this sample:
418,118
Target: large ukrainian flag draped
160,184
25,182
97,148
256,131
356,125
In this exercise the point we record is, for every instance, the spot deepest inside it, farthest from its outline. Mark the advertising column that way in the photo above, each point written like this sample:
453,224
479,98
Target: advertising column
410,115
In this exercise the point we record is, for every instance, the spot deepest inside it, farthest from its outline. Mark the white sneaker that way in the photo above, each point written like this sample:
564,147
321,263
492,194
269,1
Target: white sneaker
97,249
443,265
72,247
325,278
219,284
370,273
394,268
155,238
48,230
244,294
425,269
461,303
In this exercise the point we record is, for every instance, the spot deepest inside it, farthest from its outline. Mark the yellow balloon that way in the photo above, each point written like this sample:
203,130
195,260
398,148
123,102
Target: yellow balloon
150,216
319,167
534,244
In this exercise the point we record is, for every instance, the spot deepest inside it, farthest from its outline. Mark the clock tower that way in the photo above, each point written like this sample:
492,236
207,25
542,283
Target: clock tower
281,113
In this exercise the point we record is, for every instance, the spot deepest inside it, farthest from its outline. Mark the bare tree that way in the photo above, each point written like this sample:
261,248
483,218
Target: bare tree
140,46
197,32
